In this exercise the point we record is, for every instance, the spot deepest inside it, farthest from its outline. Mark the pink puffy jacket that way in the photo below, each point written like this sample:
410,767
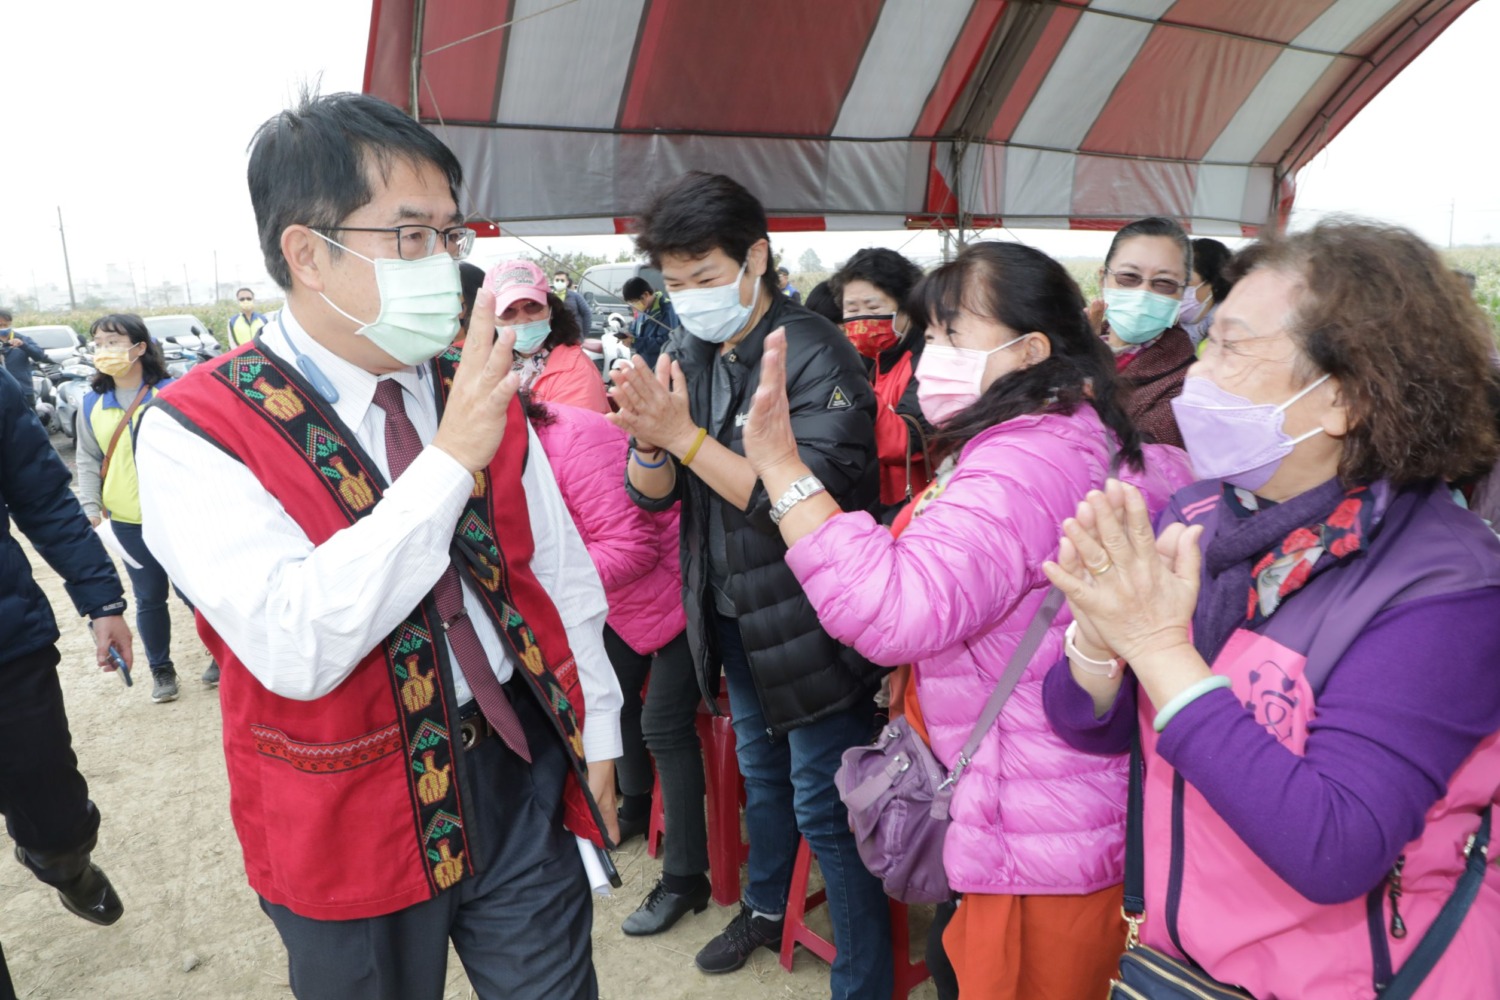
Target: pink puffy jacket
952,596
634,552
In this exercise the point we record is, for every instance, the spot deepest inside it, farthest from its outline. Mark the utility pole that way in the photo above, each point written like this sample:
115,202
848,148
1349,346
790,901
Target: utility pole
217,294
1452,203
187,289
67,268
130,269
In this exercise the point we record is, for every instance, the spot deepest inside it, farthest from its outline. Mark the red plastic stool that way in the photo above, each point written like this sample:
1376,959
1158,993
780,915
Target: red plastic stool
727,850
658,827
909,974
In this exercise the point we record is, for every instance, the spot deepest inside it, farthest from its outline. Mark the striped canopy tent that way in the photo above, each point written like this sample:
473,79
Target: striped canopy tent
877,114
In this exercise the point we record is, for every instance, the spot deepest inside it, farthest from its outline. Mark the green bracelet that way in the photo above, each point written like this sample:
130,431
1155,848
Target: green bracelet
1170,709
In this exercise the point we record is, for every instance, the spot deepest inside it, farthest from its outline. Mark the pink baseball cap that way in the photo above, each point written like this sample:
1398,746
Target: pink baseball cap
512,280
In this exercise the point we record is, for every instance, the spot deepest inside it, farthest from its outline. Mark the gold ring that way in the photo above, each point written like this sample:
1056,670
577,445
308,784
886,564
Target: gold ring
1101,570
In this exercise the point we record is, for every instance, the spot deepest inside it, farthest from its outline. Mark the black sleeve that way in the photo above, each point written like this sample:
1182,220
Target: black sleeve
34,483
833,418
29,348
653,504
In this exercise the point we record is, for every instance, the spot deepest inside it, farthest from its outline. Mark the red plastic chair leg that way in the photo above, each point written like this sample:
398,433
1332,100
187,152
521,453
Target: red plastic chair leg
726,850
908,974
658,827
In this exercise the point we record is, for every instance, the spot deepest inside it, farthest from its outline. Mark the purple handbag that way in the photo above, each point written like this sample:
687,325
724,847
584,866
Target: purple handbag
898,794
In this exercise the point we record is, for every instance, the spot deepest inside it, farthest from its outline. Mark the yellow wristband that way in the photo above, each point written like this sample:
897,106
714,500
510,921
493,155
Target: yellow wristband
692,452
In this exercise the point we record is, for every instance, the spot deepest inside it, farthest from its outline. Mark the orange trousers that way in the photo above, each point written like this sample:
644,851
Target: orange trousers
1036,947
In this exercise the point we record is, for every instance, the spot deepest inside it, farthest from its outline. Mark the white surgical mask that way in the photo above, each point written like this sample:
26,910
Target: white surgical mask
715,314
419,305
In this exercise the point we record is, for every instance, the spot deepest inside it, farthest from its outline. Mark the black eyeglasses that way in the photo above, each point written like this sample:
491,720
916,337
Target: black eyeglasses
414,242
1161,286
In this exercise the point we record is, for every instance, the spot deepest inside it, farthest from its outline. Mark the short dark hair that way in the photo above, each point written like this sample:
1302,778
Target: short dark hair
565,328
470,277
701,212
636,288
1155,225
5,315
886,269
1028,291
153,364
1380,311
560,273
822,301
238,290
311,165
1210,257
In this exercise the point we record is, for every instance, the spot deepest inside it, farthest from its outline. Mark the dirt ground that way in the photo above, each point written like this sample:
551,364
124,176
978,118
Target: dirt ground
192,927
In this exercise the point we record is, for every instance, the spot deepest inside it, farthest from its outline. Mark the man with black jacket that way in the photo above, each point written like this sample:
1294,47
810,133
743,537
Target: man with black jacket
44,798
799,698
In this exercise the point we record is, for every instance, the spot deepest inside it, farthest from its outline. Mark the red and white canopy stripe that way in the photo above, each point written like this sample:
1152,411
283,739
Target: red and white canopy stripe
868,114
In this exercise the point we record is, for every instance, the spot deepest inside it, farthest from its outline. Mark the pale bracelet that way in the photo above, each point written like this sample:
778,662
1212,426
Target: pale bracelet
1170,709
1112,667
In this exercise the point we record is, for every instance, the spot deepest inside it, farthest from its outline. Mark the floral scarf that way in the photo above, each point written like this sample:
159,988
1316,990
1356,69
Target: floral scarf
1290,563
530,367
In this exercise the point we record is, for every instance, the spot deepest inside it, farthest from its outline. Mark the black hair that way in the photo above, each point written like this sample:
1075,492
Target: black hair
636,288
822,301
701,212
564,325
538,414
153,365
886,269
1209,259
312,165
5,315
470,277
1029,292
783,270
1156,225
238,290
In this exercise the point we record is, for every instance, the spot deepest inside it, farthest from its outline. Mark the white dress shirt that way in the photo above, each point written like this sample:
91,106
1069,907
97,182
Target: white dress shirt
301,617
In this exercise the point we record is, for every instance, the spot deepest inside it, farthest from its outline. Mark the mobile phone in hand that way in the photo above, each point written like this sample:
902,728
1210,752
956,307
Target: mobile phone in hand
119,662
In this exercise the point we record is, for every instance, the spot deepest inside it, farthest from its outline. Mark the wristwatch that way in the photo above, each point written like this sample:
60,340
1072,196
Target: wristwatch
807,486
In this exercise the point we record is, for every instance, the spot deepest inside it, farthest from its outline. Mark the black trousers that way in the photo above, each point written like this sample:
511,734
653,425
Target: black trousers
44,798
667,725
520,926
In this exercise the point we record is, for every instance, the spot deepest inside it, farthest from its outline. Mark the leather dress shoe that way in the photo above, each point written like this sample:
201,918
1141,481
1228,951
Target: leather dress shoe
632,827
91,897
663,908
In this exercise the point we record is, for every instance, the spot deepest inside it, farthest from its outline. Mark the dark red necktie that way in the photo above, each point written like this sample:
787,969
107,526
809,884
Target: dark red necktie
402,446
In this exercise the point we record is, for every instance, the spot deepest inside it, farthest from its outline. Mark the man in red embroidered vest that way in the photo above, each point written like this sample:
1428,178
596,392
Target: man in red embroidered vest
416,699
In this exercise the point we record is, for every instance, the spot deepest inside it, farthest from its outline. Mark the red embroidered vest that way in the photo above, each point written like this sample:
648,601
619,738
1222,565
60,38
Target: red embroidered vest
349,806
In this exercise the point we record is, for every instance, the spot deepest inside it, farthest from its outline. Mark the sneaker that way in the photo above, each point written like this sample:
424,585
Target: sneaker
211,675
163,685
734,946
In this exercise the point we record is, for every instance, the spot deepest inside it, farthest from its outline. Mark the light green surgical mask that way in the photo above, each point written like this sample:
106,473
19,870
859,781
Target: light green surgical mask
419,305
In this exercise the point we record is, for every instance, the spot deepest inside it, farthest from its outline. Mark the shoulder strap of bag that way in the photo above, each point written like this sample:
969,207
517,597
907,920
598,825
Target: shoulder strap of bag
1035,632
915,425
109,452
1427,952
1417,965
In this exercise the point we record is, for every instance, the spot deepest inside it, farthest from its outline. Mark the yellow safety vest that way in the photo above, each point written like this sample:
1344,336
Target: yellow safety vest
120,493
242,330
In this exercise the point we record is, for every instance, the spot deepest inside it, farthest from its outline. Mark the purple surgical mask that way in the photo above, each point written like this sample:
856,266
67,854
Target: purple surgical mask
1232,439
1192,306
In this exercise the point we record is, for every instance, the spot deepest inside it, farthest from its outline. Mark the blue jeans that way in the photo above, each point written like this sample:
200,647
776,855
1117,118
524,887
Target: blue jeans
149,585
789,791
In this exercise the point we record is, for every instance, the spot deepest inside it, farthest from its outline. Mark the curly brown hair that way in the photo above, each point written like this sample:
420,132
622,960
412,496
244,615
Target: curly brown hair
1412,352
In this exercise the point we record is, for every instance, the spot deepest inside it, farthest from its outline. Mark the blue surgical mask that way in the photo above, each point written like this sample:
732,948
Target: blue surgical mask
715,314
1138,316
530,336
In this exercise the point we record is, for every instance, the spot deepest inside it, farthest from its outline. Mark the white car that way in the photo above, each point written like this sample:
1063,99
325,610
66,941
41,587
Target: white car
184,330
60,342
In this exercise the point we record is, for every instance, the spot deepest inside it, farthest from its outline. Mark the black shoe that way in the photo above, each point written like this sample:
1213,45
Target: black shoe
163,685
211,675
632,827
91,897
734,946
663,908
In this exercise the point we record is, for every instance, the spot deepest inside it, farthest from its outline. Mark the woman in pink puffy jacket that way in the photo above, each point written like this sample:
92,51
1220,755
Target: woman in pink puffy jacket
635,553
1031,417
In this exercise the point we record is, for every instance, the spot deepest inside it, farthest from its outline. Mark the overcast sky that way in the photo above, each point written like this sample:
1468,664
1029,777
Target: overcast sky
134,118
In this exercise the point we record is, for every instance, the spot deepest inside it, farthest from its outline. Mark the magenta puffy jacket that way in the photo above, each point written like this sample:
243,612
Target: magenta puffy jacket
635,552
952,596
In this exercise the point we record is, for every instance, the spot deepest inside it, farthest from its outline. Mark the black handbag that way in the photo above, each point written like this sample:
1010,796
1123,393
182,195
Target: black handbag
1147,974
